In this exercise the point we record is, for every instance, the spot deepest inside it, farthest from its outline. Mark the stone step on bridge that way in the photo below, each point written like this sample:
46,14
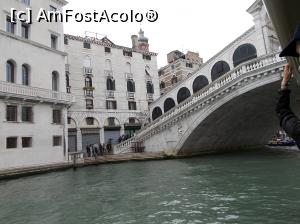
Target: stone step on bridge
234,111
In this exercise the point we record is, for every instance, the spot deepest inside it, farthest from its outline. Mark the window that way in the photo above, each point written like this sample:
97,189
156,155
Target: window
150,88
66,41
27,2
56,116
174,80
162,85
111,121
68,83
11,142
131,105
132,120
69,120
89,104
25,30
88,82
189,65
88,93
53,41
52,8
25,75
57,140
107,50
26,142
130,86
11,113
55,81
10,26
89,121
86,45
127,53
27,114
110,84
147,57
10,72
111,105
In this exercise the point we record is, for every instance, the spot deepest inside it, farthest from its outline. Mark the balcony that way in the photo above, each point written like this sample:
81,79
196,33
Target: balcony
108,73
110,94
130,95
11,90
87,71
128,75
150,97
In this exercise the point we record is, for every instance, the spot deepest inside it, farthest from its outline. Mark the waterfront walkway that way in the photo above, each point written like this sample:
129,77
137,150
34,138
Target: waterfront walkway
21,172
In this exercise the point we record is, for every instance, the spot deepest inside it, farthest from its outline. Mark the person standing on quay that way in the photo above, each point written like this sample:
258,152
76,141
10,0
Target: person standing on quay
288,121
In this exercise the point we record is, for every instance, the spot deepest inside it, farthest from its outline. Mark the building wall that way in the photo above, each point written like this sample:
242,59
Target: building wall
78,58
42,61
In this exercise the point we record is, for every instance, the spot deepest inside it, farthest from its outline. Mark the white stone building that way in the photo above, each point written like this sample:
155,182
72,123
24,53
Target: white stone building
113,86
33,99
179,67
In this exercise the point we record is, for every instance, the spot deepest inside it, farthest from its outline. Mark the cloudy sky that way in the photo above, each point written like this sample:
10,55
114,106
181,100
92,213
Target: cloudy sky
204,26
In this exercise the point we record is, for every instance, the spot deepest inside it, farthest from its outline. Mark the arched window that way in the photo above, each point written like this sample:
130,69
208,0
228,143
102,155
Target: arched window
55,81
156,113
130,86
174,80
244,53
183,94
219,69
25,75
108,65
199,82
162,85
10,71
150,88
110,84
128,67
88,82
168,104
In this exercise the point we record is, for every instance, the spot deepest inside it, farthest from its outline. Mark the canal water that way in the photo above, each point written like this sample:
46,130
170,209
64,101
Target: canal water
251,187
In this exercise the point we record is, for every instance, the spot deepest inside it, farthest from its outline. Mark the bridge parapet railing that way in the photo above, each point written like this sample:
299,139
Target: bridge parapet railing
123,147
229,77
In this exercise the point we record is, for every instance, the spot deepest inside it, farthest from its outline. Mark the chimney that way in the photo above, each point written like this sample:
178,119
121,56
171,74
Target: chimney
135,43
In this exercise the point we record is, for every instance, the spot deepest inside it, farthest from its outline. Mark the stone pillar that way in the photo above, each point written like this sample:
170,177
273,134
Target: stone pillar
102,135
122,130
79,140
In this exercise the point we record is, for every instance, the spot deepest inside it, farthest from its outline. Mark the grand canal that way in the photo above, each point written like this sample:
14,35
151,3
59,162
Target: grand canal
249,187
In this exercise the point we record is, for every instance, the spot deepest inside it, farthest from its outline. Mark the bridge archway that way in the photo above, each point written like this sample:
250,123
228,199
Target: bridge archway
244,53
199,82
169,104
156,113
219,69
183,94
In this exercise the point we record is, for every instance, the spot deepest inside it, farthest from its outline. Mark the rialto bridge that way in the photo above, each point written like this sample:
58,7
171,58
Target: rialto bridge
229,103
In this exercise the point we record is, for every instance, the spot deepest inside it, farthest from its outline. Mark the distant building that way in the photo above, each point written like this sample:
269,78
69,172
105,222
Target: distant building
33,98
113,86
179,67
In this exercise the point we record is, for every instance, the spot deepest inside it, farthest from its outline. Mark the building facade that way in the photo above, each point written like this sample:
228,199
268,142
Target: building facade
33,98
179,67
113,85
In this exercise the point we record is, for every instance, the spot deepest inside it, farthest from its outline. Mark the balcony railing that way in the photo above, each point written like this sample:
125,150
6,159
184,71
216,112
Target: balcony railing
110,93
130,95
108,73
128,75
150,97
33,93
87,71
